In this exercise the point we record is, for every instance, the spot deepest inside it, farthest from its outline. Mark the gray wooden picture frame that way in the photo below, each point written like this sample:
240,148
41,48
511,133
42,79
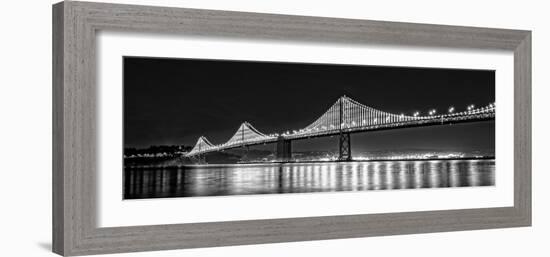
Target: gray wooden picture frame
75,25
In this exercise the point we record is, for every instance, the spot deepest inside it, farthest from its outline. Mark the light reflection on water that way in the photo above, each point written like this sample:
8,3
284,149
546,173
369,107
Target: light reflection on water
306,177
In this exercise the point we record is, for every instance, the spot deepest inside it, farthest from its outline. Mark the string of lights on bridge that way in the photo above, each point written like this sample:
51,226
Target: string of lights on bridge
416,114
346,115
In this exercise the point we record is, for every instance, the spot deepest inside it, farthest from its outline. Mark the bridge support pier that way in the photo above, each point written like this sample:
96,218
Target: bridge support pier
245,155
344,147
284,150
201,159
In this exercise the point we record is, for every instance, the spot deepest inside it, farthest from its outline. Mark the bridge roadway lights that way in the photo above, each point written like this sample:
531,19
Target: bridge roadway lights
345,147
284,150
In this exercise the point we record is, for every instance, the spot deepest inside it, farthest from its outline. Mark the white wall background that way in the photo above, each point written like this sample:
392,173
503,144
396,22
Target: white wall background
25,127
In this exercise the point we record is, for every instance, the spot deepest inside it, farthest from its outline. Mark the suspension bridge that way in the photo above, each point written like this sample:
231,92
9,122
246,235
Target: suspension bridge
344,117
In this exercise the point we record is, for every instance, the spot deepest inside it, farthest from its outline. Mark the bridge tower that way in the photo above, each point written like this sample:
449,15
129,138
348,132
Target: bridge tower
284,149
344,146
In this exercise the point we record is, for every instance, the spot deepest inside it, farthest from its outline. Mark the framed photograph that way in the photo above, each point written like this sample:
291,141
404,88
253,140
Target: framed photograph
183,128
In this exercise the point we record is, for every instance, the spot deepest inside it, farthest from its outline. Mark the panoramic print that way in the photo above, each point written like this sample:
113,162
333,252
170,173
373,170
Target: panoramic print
196,127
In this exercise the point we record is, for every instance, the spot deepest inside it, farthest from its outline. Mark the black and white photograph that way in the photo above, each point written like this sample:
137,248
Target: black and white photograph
200,127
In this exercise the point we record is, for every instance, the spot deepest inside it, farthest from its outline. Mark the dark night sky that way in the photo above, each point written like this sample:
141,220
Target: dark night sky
174,101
